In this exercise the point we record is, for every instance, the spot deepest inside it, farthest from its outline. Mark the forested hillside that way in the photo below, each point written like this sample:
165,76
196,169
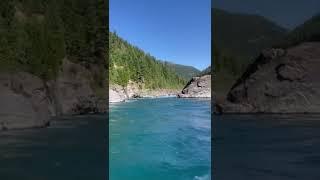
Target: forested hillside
308,31
207,71
127,62
239,38
186,72
36,35
52,60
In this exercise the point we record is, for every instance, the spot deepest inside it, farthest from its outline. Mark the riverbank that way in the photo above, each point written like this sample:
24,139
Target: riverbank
119,94
28,101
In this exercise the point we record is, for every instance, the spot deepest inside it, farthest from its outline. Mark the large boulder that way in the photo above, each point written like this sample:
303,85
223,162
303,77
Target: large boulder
197,87
279,81
28,101
24,102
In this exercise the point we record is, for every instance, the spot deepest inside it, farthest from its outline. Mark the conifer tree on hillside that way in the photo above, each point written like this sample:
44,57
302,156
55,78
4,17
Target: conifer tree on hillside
128,62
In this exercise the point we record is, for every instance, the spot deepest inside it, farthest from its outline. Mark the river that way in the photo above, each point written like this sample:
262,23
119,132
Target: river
161,138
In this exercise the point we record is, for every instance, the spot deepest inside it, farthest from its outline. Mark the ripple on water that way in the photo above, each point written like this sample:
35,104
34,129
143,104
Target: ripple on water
169,139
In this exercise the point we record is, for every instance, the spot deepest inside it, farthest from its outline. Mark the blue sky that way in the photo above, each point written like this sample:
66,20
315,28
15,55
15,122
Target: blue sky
288,13
178,31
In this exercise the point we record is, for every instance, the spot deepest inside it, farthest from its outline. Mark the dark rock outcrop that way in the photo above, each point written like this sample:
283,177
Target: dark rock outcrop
27,101
279,81
197,87
24,103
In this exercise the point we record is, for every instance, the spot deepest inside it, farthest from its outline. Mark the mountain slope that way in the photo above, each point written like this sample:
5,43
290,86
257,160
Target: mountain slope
244,34
238,39
206,71
129,63
37,35
280,80
308,31
52,60
185,72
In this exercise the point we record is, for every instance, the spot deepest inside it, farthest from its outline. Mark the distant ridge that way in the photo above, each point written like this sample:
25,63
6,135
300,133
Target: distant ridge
308,31
244,34
239,38
185,72
206,71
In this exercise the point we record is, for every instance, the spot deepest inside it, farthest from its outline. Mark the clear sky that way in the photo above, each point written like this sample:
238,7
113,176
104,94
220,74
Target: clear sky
178,31
287,13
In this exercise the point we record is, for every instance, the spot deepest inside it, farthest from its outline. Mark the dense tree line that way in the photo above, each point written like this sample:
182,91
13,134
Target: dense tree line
36,35
226,62
128,62
307,32
234,64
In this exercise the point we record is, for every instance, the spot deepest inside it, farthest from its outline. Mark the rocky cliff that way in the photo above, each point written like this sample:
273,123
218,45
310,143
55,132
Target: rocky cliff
28,101
197,87
279,81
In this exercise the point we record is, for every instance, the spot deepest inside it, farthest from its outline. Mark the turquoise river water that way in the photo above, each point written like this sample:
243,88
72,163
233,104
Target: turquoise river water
160,139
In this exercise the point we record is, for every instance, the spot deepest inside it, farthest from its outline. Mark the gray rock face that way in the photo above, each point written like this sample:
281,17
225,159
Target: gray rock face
27,101
72,93
279,81
133,90
198,87
117,94
24,103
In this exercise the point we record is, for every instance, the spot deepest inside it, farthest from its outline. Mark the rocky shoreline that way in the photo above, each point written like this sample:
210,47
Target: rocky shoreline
197,87
120,94
28,101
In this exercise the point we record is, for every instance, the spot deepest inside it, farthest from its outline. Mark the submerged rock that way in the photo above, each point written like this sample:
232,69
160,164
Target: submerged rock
279,81
197,87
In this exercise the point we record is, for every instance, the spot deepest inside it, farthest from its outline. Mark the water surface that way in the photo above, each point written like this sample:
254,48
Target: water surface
72,148
160,139
266,147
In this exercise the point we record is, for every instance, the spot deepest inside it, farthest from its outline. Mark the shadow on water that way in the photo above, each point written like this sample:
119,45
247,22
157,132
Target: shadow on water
72,147
266,147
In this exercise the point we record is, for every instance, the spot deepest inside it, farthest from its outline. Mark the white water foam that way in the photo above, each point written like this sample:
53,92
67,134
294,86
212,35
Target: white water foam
204,177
